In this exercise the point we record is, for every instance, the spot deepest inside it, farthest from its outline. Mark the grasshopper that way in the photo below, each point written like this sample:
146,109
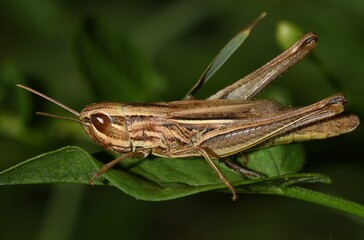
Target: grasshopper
224,124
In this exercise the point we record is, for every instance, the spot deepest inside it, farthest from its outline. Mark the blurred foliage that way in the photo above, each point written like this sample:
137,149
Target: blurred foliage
161,48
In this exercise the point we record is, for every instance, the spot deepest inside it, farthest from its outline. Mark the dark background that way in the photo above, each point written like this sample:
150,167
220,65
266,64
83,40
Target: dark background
43,45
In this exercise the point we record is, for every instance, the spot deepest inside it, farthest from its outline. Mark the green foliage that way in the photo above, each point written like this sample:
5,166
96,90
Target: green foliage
108,61
147,179
277,160
224,55
165,179
106,58
81,53
287,34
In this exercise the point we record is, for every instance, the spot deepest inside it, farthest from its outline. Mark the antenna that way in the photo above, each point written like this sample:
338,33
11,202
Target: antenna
60,117
53,101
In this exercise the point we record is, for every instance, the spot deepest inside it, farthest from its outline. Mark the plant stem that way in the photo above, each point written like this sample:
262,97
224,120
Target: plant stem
323,199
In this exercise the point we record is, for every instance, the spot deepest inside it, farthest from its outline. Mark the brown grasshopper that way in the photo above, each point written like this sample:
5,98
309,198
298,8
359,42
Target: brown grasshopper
224,124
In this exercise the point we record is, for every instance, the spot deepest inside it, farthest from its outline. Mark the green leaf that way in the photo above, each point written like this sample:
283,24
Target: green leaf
224,55
277,160
148,179
66,165
157,179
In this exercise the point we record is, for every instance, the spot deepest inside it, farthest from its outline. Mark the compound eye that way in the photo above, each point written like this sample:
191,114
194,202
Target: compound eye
101,122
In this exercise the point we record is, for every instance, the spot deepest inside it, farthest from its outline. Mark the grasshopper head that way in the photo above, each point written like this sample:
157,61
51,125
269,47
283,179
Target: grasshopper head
105,123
